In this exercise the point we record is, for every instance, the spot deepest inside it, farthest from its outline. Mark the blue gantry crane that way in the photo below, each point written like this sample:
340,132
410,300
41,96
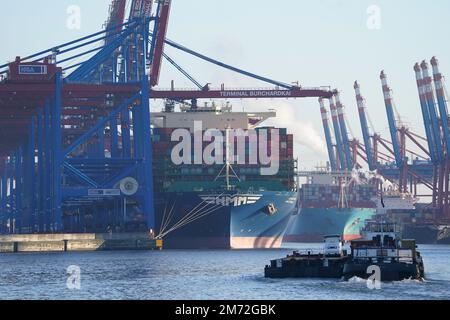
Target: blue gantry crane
444,117
75,137
344,132
399,159
393,163
365,127
87,156
342,164
78,156
328,137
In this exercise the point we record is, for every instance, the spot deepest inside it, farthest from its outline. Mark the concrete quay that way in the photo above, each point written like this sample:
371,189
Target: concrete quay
34,243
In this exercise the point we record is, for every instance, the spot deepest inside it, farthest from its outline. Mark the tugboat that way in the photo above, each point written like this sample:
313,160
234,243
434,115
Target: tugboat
381,246
328,263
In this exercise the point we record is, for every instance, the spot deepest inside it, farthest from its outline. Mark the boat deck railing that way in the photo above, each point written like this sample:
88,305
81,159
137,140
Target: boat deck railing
308,252
364,260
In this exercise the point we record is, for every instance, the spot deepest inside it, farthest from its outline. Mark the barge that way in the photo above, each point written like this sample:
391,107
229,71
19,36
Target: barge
328,263
380,249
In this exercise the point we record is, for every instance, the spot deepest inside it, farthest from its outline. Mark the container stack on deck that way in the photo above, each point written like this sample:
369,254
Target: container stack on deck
328,196
166,174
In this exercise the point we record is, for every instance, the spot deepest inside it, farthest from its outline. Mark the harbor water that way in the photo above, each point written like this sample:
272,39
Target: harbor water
178,274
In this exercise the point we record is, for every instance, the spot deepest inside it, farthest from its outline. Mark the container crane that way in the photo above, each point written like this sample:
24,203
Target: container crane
443,110
398,144
431,102
387,92
140,9
337,135
328,138
425,114
442,103
113,25
344,132
364,126
159,37
418,172
72,118
425,85
279,89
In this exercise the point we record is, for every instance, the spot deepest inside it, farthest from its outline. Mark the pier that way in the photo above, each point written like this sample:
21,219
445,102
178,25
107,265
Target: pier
40,243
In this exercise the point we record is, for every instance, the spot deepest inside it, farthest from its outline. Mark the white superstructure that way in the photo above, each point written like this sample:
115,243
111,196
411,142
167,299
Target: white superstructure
394,200
210,117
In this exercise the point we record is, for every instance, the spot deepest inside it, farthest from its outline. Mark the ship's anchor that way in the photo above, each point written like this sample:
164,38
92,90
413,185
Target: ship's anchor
271,209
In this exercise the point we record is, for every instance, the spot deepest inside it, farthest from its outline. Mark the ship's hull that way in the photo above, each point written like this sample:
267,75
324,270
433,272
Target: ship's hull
444,235
224,220
312,224
427,233
423,234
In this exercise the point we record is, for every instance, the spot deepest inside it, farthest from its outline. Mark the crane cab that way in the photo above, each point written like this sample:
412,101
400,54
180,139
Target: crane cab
32,72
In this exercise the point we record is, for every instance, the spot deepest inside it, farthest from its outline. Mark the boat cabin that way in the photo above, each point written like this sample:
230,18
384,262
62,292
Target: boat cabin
381,242
333,246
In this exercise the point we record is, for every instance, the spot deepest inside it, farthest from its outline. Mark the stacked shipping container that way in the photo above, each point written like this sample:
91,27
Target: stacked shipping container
166,173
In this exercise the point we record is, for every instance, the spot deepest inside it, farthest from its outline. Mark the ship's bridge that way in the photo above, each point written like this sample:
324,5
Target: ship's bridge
212,117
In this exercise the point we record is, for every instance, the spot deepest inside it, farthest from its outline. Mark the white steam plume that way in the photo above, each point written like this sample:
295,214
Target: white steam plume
305,134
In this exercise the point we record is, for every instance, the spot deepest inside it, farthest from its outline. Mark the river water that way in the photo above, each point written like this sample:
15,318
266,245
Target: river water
195,275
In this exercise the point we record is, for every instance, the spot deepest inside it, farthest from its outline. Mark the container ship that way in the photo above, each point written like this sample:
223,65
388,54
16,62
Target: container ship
221,205
332,203
417,220
427,232
421,225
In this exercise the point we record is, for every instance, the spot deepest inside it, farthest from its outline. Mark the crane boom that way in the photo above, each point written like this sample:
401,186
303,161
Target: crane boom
337,134
436,129
159,36
240,94
364,126
391,118
113,25
425,113
344,132
326,128
140,9
442,102
116,17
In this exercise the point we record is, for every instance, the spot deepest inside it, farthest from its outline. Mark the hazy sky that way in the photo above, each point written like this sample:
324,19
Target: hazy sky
318,43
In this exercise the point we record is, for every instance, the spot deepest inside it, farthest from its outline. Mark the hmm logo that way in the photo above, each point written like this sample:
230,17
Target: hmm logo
231,201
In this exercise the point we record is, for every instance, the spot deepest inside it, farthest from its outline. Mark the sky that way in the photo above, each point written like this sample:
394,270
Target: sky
317,43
